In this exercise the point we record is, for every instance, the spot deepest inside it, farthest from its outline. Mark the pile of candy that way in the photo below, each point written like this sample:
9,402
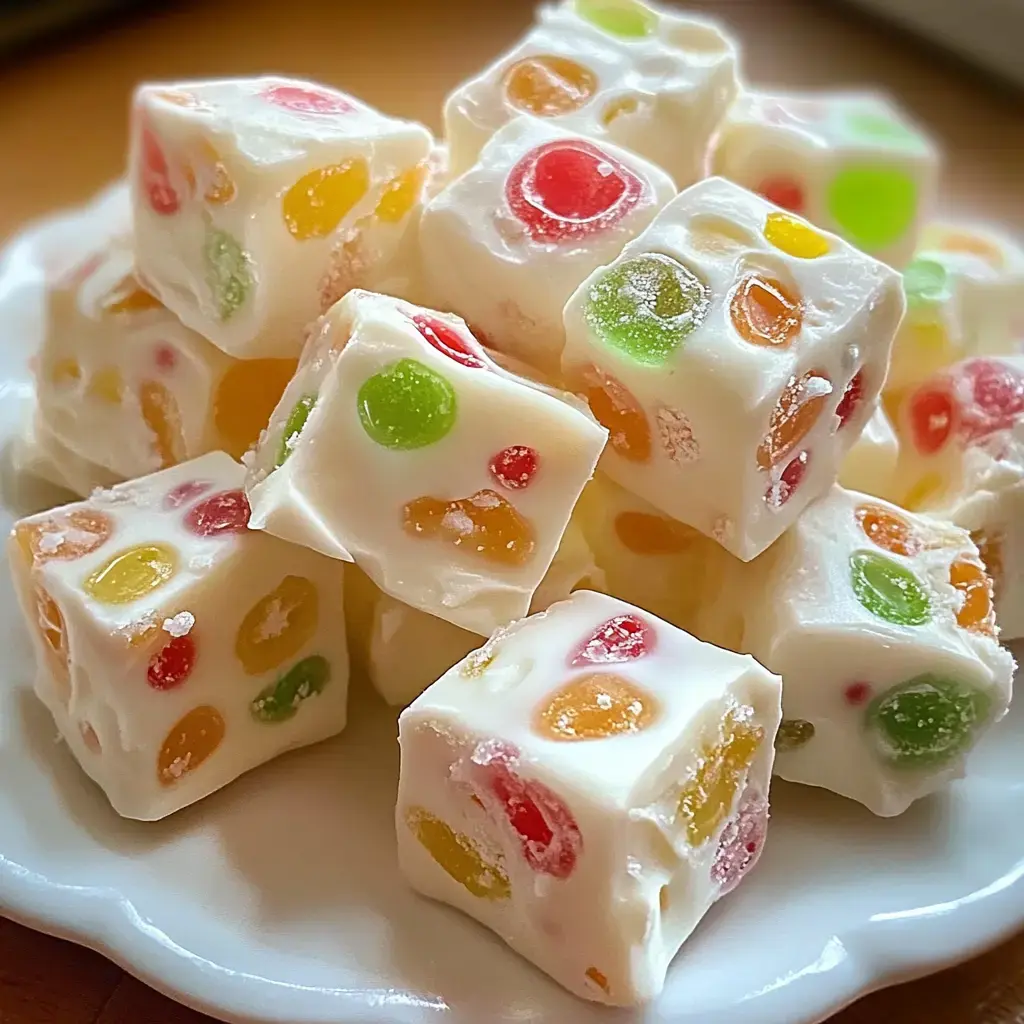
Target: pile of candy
465,382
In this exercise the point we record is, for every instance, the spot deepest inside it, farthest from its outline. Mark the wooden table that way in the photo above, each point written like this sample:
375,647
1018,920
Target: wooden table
62,126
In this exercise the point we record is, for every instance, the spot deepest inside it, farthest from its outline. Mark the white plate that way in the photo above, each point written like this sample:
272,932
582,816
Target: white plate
279,898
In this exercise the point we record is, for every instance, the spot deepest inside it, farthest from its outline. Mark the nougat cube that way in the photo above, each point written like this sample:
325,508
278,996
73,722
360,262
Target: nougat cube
965,297
850,162
253,198
508,241
624,72
881,622
870,464
402,446
734,353
38,453
176,648
587,784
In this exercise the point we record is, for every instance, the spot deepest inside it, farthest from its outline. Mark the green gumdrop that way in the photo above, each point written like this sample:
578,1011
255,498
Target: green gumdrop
873,206
281,699
623,18
889,590
870,125
646,307
228,271
293,427
793,733
925,282
406,405
926,721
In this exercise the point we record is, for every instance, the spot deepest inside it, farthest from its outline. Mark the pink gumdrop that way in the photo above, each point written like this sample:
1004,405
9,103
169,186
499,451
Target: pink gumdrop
302,100
447,340
156,176
622,638
996,400
184,493
227,512
742,841
780,491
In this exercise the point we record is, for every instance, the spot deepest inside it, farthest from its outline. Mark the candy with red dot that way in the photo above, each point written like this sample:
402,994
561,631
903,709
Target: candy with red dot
780,491
851,400
515,467
304,100
621,638
447,340
857,694
227,512
185,493
172,665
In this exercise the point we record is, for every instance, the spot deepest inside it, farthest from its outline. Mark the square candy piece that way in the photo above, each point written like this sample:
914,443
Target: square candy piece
734,353
619,71
881,623
402,446
851,163
122,383
507,243
246,193
587,784
870,465
176,648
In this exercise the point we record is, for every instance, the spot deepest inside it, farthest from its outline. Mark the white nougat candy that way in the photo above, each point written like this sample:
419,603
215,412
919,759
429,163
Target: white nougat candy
870,465
123,384
734,353
881,623
507,243
255,199
849,162
620,71
175,647
402,446
587,784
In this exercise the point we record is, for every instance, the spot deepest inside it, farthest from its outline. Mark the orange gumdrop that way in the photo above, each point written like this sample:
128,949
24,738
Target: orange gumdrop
976,613
765,312
161,414
128,296
990,548
246,396
974,245
191,741
51,628
646,534
63,536
547,85
800,404
595,707
888,530
615,408
400,195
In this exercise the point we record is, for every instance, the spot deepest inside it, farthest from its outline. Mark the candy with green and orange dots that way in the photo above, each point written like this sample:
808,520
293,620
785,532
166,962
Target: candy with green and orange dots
506,243
735,354
851,163
124,386
883,624
176,648
402,446
628,72
570,739
246,193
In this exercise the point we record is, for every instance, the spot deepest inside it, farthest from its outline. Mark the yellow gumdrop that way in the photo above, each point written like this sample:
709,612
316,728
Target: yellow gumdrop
132,574
618,107
189,743
66,371
127,296
246,396
161,414
278,626
220,187
794,237
707,799
456,855
318,202
923,492
107,385
400,195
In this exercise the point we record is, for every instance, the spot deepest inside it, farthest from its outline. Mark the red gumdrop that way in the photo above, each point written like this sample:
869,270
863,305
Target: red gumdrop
784,192
515,467
184,493
447,341
933,417
622,638
857,693
171,666
780,492
227,512
571,189
302,100
852,397
741,842
166,358
156,176
997,397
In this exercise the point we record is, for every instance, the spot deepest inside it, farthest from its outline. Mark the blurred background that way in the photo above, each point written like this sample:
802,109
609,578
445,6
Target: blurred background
67,68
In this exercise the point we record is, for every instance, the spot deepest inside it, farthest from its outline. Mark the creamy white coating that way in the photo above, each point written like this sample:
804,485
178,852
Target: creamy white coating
112,716
709,405
222,160
661,96
479,258
870,464
343,493
636,887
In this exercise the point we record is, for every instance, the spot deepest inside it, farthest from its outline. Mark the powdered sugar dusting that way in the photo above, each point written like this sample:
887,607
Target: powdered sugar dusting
180,624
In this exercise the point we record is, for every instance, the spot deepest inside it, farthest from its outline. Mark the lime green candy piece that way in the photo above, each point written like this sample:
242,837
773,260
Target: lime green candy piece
926,721
228,271
624,18
646,307
406,405
793,733
873,206
889,590
925,282
879,127
281,699
293,427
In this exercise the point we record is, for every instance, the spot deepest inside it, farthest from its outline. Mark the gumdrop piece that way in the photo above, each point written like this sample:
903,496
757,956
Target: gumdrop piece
647,534
794,237
622,638
974,245
66,371
923,492
165,358
615,408
132,574
646,307
224,513
925,282
765,312
172,665
598,978
64,535
781,490
627,19
228,272
996,392
620,106
799,407
571,189
185,493
596,707
293,427
107,385
245,398
50,623
485,525
889,590
303,100
192,740
793,734
976,611
675,431
514,467
741,841
933,417
155,176
547,85
926,721
400,195
785,192
458,856
279,701
320,200
447,340
128,297
873,206
406,405
161,415
852,398
857,693
888,530
278,626
990,549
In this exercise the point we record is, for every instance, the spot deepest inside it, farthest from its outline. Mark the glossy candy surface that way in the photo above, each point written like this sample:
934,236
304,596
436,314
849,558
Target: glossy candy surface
618,411
172,664
407,405
191,741
765,312
597,706
799,407
132,574
889,590
321,199
621,638
278,626
547,85
281,699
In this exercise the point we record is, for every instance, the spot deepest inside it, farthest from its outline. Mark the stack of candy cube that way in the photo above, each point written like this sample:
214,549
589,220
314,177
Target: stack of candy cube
552,415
